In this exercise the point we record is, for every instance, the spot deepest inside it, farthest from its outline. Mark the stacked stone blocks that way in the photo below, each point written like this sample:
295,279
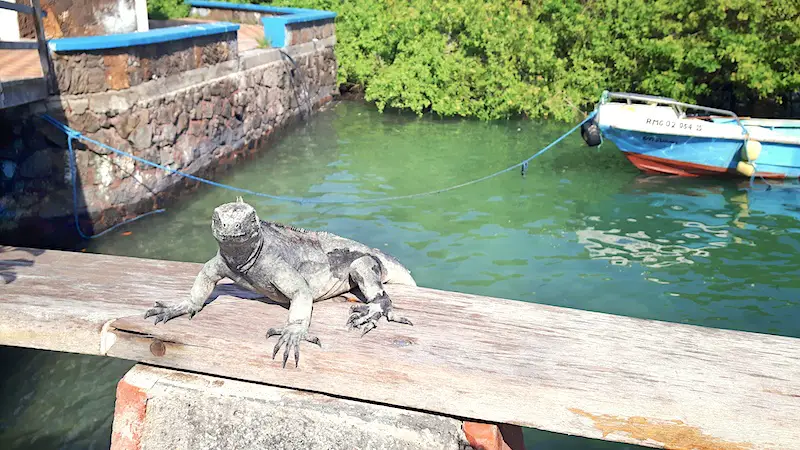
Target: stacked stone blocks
198,121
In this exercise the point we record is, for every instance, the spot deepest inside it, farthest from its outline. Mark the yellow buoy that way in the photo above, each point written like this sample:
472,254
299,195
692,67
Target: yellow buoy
751,150
740,199
745,168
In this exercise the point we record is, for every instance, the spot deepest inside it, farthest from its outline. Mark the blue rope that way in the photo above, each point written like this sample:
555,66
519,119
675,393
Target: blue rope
73,134
753,177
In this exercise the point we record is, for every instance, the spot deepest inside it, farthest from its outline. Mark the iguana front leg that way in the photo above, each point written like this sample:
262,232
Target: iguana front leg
212,272
365,271
291,284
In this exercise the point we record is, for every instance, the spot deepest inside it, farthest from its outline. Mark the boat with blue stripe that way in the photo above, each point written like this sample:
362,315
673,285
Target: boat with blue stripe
660,135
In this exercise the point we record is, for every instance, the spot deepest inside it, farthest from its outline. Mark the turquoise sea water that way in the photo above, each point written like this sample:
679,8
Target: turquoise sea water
584,230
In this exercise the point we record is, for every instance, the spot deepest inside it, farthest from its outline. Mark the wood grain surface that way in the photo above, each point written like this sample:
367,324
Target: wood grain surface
576,372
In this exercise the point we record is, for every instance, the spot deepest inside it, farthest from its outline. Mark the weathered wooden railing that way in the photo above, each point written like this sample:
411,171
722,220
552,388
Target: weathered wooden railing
569,371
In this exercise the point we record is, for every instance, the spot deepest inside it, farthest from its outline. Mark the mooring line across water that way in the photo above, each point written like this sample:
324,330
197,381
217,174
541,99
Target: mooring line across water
74,134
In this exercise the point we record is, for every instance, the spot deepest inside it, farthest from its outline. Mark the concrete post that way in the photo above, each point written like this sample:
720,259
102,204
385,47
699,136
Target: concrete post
160,408
142,22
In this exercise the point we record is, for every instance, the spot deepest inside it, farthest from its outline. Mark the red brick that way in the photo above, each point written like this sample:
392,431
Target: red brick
485,436
129,413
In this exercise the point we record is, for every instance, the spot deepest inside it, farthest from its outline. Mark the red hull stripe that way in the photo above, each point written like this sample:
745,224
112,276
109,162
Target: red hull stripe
656,165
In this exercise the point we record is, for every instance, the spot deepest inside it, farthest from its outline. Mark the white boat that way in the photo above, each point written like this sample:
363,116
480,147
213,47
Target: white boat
658,135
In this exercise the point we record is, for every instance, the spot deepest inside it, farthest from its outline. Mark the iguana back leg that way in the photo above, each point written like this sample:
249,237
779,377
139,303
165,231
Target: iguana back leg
366,273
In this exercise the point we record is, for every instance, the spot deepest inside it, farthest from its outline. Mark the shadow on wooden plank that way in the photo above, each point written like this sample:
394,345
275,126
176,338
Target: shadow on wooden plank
8,267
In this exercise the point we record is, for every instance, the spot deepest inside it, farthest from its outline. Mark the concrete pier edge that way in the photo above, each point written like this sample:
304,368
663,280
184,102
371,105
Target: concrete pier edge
165,408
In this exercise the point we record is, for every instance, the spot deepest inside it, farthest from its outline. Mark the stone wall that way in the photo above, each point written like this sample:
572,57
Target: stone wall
121,68
198,122
26,27
300,33
296,33
65,18
229,15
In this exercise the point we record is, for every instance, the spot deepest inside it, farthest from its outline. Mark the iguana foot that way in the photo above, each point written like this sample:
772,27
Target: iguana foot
163,313
290,337
366,316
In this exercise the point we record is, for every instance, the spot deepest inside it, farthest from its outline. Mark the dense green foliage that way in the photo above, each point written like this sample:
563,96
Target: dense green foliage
498,58
166,9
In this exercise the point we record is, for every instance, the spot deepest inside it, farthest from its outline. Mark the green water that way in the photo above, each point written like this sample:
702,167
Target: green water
583,230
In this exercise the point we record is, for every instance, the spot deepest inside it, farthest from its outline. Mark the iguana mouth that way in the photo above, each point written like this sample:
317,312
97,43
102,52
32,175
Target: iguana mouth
238,237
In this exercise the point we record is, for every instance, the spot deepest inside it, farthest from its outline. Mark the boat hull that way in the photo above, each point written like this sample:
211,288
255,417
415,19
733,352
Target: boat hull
658,141
695,157
662,166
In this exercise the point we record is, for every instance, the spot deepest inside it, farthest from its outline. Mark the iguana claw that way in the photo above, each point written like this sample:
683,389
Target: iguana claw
290,337
366,316
164,313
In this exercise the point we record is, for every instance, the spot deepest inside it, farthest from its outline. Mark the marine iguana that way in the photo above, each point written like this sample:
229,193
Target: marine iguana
291,265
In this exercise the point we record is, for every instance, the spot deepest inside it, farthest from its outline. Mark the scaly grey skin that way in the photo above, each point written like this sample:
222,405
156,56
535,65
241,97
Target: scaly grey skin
294,266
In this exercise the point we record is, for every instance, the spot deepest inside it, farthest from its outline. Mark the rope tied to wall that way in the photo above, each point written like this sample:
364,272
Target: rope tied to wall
73,171
76,135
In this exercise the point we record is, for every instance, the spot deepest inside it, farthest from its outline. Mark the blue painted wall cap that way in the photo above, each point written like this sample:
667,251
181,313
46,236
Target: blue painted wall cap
315,14
155,36
275,30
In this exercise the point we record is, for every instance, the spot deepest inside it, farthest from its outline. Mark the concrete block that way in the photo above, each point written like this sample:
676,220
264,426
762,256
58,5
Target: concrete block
19,92
309,48
113,102
220,70
258,57
160,408
78,106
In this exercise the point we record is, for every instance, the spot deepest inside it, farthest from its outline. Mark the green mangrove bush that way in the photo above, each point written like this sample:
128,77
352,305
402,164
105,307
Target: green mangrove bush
167,9
552,58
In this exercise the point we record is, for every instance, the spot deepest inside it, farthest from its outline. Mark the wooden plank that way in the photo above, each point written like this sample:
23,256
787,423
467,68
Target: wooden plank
44,52
564,370
19,45
21,91
24,9
61,300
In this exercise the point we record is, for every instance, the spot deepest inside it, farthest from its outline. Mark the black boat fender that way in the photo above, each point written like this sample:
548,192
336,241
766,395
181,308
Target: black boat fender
590,133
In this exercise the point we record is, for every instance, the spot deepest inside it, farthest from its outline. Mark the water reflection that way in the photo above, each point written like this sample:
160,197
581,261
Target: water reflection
623,250
723,251
56,400
696,219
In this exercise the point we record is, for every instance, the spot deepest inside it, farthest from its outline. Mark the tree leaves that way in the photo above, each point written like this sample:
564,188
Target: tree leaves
492,59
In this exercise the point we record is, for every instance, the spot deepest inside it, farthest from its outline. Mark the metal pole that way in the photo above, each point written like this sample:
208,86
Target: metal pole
44,52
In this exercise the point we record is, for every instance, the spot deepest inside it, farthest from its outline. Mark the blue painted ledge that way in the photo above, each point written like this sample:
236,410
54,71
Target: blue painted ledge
274,26
156,36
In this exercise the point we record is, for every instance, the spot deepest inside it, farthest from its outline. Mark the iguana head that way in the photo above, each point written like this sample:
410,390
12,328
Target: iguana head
235,223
